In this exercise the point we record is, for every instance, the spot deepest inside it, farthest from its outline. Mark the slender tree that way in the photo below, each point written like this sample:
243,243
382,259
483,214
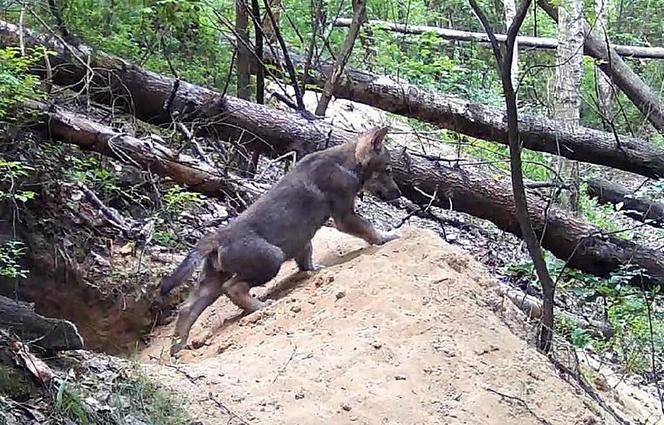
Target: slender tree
566,95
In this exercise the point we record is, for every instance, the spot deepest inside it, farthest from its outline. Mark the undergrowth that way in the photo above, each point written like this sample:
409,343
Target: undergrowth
129,399
636,316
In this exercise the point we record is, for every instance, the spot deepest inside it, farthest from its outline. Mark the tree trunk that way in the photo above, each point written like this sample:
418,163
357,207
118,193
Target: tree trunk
524,42
641,209
47,333
359,13
602,81
582,245
645,99
509,7
567,91
488,123
243,57
268,29
258,37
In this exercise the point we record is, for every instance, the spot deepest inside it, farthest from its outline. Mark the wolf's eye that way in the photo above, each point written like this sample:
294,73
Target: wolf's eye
388,171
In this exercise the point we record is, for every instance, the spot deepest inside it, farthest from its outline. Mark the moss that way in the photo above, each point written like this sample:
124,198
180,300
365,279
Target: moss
13,384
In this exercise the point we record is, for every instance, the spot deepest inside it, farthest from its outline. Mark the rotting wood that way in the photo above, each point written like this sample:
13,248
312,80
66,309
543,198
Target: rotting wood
580,244
524,42
44,332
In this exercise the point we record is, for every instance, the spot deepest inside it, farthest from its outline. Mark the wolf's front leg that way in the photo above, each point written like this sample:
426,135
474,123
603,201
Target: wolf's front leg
305,259
355,225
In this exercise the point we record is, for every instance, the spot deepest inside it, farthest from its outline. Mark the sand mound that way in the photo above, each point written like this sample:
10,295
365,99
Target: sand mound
407,333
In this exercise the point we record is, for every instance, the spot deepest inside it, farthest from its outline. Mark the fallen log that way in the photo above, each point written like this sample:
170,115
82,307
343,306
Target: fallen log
147,154
532,307
44,332
488,123
524,42
610,62
449,112
423,181
641,209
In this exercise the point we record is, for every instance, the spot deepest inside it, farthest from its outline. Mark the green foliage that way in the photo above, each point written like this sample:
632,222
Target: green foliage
534,163
628,310
131,398
604,216
68,402
16,84
146,401
10,252
152,33
11,172
176,198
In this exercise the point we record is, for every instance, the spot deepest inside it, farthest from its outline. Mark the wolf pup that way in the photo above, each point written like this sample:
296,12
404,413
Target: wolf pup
279,226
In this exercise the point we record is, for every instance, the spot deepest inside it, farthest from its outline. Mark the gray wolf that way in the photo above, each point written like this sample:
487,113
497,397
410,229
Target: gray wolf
279,226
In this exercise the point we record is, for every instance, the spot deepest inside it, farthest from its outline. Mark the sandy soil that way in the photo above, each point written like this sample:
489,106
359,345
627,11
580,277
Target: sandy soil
408,333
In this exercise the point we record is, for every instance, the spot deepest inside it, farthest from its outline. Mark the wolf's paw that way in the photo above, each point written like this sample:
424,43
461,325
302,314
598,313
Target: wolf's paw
385,237
177,344
313,268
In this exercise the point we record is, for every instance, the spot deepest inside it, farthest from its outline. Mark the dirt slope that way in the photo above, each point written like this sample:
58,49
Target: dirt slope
407,333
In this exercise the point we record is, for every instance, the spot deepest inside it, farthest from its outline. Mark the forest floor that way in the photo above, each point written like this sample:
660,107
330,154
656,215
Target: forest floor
409,333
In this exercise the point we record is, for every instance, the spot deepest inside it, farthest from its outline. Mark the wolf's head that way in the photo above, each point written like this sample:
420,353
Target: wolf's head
374,160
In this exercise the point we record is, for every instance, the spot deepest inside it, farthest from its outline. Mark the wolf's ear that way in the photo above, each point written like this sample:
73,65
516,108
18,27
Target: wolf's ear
369,144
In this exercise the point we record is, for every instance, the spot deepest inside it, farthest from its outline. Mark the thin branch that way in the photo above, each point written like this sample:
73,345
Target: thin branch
287,59
260,70
520,201
359,13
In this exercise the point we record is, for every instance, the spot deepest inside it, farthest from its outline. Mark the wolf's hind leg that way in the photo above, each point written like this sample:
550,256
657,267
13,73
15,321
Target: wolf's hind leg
238,291
207,290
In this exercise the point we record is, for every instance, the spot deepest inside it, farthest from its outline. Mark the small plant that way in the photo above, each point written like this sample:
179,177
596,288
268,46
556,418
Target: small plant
10,252
142,399
69,403
16,84
10,173
176,198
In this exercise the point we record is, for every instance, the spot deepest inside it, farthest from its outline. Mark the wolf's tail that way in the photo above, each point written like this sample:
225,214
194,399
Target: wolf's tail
186,268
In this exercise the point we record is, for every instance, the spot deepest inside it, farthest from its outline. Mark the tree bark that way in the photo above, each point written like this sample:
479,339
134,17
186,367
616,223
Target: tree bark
258,37
641,209
359,13
47,333
582,245
567,91
524,42
602,81
243,58
643,97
